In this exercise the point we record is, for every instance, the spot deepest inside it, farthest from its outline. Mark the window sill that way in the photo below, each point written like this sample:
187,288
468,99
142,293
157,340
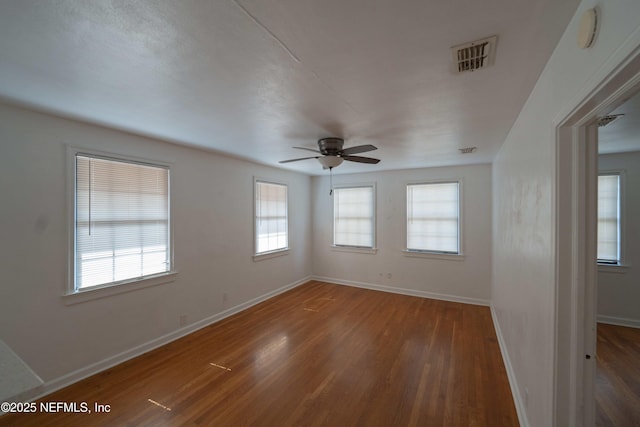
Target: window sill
108,290
354,249
612,268
272,254
433,255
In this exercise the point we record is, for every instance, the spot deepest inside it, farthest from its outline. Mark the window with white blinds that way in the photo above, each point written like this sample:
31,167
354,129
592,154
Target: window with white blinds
609,219
433,217
121,221
353,216
271,228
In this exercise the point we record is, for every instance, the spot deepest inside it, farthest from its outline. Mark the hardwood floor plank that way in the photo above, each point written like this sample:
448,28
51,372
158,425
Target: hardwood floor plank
318,355
618,376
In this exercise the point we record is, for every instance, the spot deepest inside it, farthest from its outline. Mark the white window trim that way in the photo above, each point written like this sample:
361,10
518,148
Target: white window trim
72,295
613,268
271,254
354,249
622,266
358,249
115,288
433,255
412,253
277,252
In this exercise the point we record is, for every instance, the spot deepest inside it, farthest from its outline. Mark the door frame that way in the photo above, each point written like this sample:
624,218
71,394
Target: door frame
575,222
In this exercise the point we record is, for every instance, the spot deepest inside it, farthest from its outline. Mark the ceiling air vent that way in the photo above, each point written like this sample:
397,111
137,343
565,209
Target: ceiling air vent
474,55
607,120
467,150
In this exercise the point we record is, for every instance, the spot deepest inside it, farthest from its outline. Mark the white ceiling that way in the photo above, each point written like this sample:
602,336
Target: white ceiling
623,134
252,78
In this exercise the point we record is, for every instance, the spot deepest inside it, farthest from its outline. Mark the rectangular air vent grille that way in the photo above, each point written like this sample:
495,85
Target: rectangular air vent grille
474,55
607,120
467,150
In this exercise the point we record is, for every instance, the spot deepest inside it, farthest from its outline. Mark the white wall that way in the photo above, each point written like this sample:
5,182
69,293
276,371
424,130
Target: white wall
619,292
213,233
524,288
467,280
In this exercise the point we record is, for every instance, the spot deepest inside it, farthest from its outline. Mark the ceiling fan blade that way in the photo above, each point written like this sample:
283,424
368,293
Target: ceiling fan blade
295,160
308,149
361,159
359,149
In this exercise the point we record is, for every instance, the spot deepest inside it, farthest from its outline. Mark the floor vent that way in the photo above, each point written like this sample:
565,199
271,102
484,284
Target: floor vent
474,55
607,120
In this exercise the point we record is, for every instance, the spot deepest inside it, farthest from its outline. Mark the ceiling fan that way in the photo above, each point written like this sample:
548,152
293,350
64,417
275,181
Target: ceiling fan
331,153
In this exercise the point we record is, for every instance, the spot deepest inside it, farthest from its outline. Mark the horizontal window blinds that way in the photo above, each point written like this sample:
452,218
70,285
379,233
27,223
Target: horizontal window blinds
608,218
271,217
353,220
122,221
433,217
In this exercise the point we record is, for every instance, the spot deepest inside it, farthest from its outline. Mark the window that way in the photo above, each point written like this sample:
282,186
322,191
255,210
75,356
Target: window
121,226
433,217
609,218
353,216
271,228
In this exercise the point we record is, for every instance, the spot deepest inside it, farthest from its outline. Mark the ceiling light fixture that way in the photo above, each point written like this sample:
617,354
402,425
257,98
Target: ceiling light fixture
330,161
588,28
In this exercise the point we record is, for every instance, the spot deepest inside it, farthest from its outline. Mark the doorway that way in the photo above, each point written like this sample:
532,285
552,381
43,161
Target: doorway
617,382
576,244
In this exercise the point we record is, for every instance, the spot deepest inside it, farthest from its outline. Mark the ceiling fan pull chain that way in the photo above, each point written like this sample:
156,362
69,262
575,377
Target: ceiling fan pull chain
331,181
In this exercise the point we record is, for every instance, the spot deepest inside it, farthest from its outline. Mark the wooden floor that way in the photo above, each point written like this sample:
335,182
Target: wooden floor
318,355
618,376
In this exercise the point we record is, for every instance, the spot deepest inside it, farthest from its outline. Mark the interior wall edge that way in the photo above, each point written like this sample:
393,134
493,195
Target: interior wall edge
619,321
511,375
36,109
404,291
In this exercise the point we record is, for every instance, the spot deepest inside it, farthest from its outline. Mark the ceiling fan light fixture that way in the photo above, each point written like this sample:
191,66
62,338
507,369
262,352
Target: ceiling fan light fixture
332,154
330,161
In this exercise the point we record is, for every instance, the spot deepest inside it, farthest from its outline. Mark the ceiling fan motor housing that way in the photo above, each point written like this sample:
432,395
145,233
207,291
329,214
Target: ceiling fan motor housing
330,146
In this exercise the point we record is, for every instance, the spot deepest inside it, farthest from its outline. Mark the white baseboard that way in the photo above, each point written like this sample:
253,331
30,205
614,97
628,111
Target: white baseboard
82,373
620,321
515,390
403,291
